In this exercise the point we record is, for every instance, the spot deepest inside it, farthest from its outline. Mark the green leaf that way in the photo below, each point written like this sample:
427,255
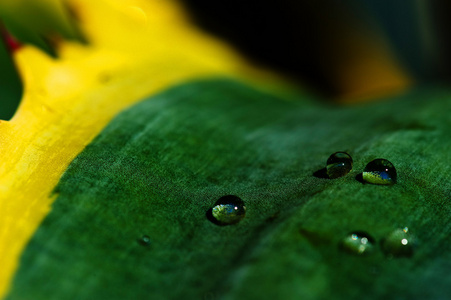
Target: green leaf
161,165
10,85
41,23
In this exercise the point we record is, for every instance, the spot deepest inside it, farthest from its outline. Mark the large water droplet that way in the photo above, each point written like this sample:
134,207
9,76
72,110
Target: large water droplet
358,243
339,164
228,210
379,171
399,243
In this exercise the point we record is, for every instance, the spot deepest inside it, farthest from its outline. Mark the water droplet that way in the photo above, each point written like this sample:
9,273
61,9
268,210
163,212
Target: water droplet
399,243
339,164
379,171
358,242
228,210
144,240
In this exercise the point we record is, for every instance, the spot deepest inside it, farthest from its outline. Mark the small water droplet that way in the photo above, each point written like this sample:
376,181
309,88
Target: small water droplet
339,164
399,243
358,243
144,240
228,210
379,171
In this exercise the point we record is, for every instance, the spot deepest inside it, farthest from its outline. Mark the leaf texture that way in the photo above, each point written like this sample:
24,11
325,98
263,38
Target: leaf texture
159,166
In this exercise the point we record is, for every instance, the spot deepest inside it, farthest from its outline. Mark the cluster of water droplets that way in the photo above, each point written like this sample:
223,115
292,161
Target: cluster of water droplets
398,243
230,209
379,171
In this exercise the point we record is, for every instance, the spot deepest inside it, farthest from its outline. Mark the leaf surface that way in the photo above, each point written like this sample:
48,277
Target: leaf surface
159,167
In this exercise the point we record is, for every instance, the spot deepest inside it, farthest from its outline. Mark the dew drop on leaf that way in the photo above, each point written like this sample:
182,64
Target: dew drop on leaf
339,164
399,243
144,240
379,171
358,243
228,210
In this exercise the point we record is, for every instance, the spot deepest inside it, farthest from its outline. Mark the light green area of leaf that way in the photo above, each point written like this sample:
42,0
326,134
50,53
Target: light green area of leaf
161,165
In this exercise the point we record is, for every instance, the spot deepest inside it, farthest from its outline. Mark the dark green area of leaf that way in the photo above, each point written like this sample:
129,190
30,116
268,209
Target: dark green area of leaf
161,165
10,85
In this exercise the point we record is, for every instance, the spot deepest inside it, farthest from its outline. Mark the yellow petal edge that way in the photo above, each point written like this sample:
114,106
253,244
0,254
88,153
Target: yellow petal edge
136,49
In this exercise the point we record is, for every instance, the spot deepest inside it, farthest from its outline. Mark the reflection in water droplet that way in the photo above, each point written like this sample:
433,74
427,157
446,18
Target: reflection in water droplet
399,243
379,171
358,242
228,210
144,240
339,164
